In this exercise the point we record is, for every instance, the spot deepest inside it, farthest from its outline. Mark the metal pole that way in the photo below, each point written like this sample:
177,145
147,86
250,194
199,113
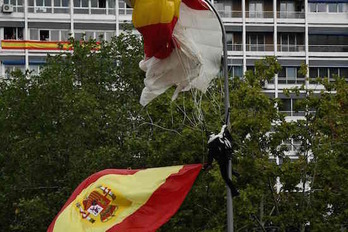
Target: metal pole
227,118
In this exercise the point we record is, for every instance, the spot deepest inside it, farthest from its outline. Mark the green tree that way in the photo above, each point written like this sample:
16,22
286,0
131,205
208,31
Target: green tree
81,115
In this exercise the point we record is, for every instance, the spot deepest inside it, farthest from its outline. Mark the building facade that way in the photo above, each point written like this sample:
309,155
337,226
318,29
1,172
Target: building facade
313,32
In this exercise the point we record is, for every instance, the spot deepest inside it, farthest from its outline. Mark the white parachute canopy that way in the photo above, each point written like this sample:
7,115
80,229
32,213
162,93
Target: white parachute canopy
194,61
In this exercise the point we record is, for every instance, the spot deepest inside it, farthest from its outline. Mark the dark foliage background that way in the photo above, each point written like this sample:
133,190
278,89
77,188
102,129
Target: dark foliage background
81,115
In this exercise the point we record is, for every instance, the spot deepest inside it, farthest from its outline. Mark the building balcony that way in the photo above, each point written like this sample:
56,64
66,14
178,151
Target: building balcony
290,15
290,48
328,48
230,14
77,10
260,47
235,47
259,14
291,80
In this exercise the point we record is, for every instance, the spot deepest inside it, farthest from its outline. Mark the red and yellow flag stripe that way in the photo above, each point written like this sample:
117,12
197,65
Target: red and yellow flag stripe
138,200
35,45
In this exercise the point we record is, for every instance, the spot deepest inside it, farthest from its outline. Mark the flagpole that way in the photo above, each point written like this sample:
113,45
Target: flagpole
227,118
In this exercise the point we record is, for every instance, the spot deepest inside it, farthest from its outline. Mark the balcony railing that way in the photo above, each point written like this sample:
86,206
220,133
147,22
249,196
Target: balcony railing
77,10
40,9
18,8
289,80
291,48
290,15
125,11
260,47
230,14
234,47
259,14
61,10
48,9
294,113
328,48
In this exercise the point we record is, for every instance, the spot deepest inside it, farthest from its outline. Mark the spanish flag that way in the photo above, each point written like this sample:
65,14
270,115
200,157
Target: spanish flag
182,45
35,45
126,200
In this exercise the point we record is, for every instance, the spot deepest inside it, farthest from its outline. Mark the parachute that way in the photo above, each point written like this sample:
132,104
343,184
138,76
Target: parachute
182,44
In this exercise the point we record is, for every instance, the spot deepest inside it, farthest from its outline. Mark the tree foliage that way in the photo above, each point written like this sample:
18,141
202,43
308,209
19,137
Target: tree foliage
81,115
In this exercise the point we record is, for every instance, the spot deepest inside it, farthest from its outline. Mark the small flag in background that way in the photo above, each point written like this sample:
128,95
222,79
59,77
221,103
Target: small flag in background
182,44
126,200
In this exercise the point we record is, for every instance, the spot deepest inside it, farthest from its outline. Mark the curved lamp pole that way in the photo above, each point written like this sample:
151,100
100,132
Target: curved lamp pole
227,118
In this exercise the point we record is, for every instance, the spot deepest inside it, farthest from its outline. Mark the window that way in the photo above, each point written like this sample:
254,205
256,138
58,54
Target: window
14,33
291,74
335,7
235,71
287,9
229,41
78,36
313,72
256,9
321,7
323,72
61,6
282,73
61,3
332,7
99,36
256,42
333,72
98,3
291,107
344,72
81,3
111,4
285,106
102,3
17,5
109,35
54,35
327,7
34,34
340,7
44,35
65,35
224,8
312,7
49,35
89,35
238,71
43,2
288,42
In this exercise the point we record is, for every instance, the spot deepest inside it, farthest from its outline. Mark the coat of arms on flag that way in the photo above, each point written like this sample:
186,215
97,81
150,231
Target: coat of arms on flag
126,200
101,205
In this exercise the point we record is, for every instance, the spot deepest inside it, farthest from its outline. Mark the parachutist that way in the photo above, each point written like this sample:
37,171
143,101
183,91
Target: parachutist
220,149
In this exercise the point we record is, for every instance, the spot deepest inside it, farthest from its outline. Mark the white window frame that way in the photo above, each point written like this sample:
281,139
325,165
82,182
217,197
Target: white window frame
288,41
257,42
256,13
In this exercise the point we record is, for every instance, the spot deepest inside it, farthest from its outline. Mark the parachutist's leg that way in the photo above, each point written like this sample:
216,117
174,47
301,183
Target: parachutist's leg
209,164
224,174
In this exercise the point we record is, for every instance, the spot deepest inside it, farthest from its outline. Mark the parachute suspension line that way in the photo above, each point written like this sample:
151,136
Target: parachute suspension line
197,115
